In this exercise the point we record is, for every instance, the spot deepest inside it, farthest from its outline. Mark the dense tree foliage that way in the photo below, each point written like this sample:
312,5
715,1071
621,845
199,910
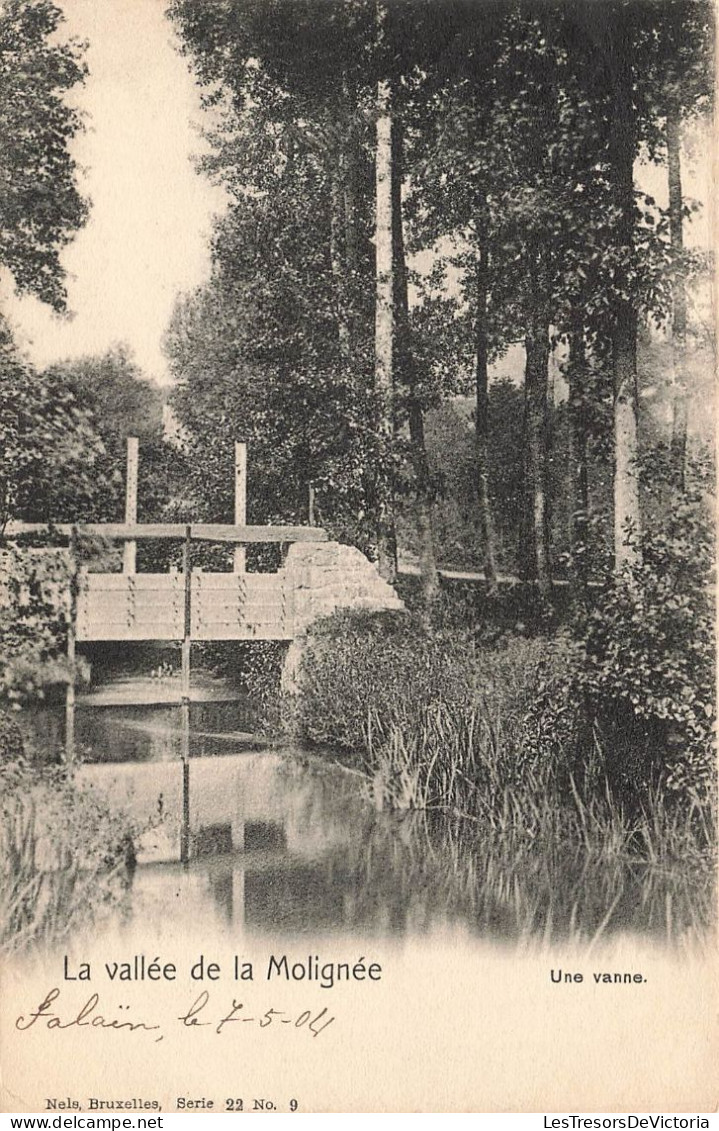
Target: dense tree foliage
63,438
419,193
514,136
54,462
40,205
121,402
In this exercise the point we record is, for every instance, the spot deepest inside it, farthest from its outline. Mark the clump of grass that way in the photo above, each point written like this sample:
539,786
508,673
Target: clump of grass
584,854
63,856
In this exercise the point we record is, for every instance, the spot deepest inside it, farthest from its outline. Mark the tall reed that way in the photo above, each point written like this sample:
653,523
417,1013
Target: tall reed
62,857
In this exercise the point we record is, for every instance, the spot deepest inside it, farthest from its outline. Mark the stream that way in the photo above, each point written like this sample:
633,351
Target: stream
286,843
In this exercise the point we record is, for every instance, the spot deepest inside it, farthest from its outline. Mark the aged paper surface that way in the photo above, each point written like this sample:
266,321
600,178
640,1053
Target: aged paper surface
306,959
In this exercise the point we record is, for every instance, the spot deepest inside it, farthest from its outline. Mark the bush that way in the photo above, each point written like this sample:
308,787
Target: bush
11,740
622,701
364,670
647,656
504,742
639,686
256,667
33,623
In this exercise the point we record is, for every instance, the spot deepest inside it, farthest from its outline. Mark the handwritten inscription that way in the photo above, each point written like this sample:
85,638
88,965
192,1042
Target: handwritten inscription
315,1024
87,1017
200,1015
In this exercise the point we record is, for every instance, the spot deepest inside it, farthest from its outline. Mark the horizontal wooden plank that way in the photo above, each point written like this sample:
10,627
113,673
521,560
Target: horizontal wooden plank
205,605
214,582
143,598
120,530
140,634
127,612
225,600
244,632
236,623
246,534
210,584
138,580
199,531
136,633
117,598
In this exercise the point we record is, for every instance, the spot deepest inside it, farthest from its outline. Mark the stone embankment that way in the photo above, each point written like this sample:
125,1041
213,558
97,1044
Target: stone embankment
321,578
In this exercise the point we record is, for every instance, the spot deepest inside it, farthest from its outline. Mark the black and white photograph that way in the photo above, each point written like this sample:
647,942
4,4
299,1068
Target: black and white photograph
357,557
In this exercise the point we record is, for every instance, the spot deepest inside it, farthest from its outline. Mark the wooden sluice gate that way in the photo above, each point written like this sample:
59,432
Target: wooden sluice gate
187,605
182,606
151,606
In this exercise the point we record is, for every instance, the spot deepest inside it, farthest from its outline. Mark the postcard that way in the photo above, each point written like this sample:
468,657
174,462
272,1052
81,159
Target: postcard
357,693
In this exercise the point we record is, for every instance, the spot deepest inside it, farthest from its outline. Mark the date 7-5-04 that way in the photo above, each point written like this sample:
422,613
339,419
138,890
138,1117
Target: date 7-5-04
200,1015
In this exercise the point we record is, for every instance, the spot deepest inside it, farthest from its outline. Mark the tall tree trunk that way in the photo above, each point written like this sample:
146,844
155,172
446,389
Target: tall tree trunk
351,172
350,146
627,526
481,426
338,258
384,336
429,573
405,371
578,443
536,551
679,295
626,476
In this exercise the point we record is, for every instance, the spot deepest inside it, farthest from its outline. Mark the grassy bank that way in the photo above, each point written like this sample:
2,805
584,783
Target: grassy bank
63,855
504,744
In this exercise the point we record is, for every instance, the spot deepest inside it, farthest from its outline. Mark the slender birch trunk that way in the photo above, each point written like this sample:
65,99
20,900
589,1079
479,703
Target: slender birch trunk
578,469
384,334
405,371
481,426
536,552
679,295
338,259
627,524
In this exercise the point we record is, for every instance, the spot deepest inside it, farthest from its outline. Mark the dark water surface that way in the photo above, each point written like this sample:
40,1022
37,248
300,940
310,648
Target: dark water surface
147,733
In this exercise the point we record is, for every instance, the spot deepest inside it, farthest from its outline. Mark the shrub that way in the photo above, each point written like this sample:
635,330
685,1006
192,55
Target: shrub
624,701
33,623
639,681
256,667
647,655
367,670
11,740
506,743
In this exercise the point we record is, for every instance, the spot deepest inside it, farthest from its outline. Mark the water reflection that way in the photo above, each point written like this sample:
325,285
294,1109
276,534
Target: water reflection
143,734
286,845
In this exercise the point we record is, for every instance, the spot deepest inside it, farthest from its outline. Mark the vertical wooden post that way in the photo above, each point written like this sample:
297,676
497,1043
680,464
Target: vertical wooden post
185,829
240,500
185,702
238,893
71,637
130,550
187,631
311,505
